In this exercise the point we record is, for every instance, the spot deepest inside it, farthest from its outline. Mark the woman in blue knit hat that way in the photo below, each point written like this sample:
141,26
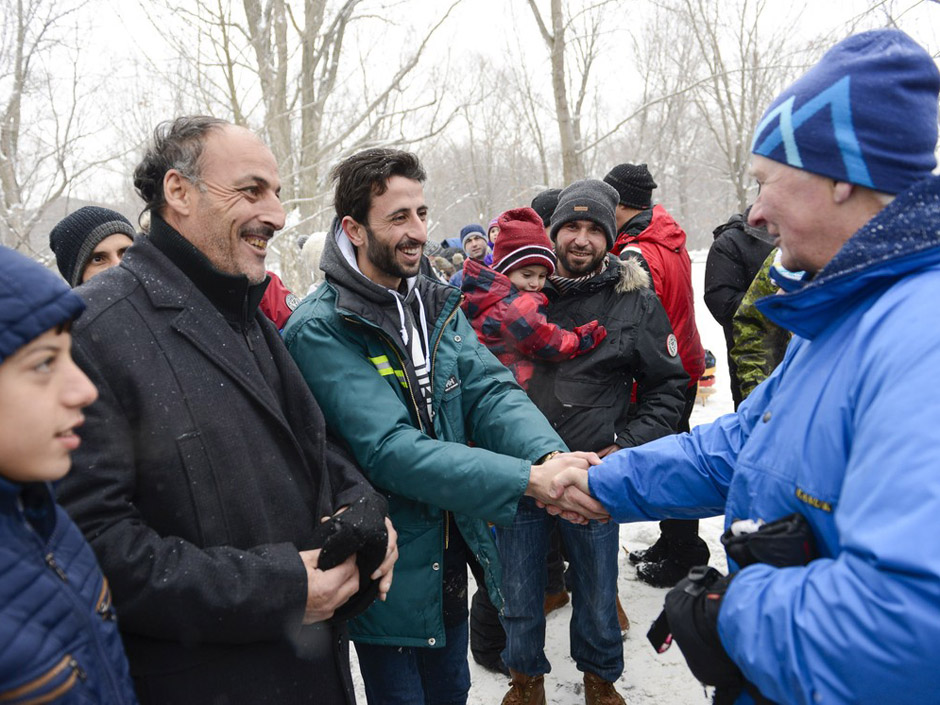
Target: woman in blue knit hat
59,636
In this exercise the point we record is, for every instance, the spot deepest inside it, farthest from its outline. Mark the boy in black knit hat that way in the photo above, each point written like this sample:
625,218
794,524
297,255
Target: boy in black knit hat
89,241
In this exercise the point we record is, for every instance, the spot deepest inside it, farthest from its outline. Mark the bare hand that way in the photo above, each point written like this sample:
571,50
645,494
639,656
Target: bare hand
571,498
604,452
384,572
541,482
569,478
328,589
582,502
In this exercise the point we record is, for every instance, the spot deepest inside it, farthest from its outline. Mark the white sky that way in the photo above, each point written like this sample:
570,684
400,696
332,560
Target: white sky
120,35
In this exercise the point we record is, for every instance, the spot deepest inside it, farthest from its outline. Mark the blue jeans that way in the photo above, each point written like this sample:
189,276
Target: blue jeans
402,675
596,644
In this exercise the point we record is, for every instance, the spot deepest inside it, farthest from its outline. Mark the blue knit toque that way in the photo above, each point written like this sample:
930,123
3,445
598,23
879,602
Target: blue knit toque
33,300
866,113
473,229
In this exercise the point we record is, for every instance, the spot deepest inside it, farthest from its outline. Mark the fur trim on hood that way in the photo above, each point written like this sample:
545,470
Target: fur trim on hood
632,275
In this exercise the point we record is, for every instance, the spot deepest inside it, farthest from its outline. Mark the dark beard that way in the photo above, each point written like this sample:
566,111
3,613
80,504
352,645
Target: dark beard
575,272
382,257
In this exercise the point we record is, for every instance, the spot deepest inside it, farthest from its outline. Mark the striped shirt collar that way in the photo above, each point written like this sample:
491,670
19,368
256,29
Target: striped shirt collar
565,284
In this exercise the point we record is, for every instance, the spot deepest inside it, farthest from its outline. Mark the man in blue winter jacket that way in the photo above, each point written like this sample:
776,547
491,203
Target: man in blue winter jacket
827,473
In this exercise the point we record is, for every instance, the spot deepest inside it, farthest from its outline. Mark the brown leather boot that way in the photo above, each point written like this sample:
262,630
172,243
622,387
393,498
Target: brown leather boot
555,600
525,690
622,619
597,691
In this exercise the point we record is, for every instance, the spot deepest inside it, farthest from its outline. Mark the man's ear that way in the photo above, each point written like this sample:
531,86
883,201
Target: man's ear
177,192
842,191
354,231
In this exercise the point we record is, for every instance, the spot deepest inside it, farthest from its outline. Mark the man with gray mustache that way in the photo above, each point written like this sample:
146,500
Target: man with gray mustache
206,468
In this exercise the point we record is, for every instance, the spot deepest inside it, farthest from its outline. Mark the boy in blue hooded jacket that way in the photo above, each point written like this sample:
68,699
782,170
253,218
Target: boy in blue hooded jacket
58,636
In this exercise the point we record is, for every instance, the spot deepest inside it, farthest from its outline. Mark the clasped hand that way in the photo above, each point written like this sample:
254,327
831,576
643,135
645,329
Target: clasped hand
560,485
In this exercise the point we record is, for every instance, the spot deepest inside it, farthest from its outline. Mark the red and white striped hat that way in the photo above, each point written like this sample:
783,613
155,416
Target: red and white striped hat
522,242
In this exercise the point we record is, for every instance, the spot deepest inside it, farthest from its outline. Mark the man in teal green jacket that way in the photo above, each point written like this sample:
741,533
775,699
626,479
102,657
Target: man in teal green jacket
433,419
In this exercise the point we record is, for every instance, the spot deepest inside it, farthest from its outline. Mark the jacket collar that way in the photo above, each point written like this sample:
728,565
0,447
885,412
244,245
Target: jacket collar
234,297
32,500
624,274
9,493
638,223
653,225
904,237
197,319
358,295
735,222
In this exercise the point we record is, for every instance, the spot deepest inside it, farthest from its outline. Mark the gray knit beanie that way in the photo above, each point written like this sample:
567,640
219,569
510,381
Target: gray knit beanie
588,199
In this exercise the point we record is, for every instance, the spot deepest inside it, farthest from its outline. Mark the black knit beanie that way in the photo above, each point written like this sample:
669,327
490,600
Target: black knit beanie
77,235
589,199
544,204
634,183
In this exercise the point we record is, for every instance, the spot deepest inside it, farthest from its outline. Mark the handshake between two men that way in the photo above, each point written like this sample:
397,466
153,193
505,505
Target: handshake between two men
560,485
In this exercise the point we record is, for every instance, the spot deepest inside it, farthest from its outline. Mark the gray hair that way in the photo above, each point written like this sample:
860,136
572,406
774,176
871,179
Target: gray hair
177,144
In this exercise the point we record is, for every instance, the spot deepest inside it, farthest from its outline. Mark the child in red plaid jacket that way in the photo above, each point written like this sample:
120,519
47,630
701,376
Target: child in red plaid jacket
506,306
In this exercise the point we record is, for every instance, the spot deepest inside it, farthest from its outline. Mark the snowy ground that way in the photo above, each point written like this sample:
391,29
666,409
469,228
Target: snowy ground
648,678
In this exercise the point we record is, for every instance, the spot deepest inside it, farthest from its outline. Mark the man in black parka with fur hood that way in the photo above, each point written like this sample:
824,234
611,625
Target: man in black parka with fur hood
587,400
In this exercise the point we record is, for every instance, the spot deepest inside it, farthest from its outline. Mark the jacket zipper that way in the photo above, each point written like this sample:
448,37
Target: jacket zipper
50,561
441,336
414,401
103,606
431,371
77,604
25,690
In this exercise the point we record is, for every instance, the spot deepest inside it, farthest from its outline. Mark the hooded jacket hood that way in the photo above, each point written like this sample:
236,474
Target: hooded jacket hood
735,222
632,275
359,295
663,229
904,237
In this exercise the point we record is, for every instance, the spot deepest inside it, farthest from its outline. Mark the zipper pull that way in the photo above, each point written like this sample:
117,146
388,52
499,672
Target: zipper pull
106,612
50,560
79,671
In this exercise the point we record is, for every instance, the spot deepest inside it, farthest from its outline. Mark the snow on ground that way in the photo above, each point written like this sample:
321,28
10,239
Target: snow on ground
648,678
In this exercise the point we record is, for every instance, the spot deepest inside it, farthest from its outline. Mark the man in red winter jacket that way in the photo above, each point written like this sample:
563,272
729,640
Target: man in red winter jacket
650,234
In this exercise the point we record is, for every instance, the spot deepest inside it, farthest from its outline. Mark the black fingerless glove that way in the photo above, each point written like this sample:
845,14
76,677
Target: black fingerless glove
361,530
692,611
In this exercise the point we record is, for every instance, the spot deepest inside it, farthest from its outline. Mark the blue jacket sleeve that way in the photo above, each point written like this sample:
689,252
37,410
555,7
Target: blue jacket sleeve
678,476
862,626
